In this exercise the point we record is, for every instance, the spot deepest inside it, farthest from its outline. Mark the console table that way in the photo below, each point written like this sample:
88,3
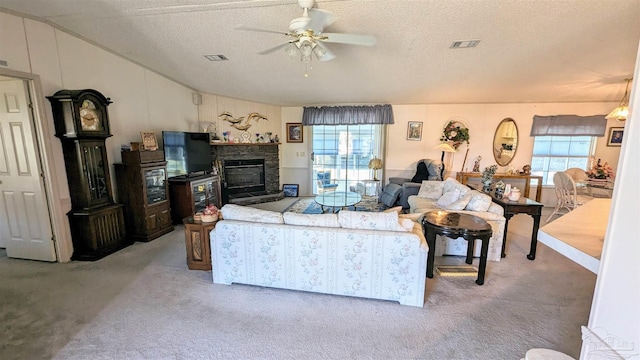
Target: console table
462,177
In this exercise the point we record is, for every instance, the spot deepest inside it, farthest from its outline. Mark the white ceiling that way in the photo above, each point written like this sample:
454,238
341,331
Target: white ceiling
530,50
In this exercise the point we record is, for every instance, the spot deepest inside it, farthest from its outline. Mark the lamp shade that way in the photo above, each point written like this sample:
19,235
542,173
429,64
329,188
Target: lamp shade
375,164
622,111
446,147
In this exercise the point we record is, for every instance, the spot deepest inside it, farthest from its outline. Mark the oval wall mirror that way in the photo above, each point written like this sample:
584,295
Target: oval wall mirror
505,141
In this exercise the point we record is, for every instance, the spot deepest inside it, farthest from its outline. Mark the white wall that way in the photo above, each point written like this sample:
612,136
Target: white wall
142,99
615,310
482,120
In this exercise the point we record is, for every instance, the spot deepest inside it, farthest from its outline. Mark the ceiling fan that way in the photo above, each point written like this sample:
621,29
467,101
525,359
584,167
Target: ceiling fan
306,36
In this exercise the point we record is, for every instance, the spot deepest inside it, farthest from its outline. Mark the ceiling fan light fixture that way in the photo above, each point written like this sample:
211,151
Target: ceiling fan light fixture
319,51
306,49
621,112
291,50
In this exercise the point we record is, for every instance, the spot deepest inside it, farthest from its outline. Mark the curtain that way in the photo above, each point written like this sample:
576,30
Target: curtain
569,125
348,115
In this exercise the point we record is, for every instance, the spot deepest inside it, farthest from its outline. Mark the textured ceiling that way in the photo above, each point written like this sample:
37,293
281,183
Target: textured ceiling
530,51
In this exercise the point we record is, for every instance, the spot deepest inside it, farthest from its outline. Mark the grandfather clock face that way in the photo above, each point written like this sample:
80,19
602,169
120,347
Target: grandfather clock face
90,117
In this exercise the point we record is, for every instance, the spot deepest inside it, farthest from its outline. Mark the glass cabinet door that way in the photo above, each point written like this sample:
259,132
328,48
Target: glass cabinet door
156,183
199,196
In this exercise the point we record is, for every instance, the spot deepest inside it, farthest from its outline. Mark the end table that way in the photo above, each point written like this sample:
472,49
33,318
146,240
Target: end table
197,242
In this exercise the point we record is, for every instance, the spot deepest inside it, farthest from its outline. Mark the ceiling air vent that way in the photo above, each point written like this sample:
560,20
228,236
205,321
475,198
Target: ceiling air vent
464,44
216,57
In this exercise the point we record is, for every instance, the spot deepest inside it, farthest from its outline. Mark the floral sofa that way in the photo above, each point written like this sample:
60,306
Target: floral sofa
352,253
453,196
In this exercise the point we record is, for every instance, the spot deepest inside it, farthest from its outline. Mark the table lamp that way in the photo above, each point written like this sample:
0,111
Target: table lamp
375,164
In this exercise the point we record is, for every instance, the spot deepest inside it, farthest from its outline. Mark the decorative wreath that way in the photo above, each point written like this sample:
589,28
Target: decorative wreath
455,133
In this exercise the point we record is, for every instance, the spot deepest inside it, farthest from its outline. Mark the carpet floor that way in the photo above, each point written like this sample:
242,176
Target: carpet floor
143,303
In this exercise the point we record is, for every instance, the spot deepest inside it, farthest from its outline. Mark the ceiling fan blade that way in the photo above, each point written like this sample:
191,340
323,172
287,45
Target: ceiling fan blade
352,39
249,28
328,55
320,19
275,48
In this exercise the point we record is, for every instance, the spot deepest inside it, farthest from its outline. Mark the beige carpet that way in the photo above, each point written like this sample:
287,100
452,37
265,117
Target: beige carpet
143,303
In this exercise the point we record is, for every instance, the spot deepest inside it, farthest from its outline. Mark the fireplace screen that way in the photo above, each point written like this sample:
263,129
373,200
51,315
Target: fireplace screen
244,175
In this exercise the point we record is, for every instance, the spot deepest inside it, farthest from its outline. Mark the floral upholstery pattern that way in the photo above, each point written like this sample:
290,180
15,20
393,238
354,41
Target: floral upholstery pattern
388,265
494,215
479,201
370,220
324,220
246,213
431,189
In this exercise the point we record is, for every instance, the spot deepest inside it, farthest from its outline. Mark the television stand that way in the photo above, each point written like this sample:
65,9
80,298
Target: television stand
191,194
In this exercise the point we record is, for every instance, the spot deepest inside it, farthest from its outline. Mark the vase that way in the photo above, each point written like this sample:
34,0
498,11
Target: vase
486,186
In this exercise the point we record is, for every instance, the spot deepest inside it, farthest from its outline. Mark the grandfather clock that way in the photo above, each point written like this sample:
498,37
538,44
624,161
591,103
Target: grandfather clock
82,125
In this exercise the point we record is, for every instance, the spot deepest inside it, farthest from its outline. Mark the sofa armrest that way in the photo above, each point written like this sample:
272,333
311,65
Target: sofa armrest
398,180
408,189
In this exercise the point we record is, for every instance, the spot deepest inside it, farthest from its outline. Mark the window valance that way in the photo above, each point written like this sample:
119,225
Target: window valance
568,125
348,115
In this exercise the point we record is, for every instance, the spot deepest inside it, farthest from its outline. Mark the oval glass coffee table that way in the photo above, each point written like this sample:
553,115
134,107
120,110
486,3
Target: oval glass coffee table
337,200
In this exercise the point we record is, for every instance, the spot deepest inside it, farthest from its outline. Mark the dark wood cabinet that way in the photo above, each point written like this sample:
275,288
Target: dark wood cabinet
192,194
196,237
81,123
144,191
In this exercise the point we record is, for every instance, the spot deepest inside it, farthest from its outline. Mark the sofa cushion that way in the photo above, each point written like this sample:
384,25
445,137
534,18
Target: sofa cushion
451,183
370,220
390,194
246,213
461,203
431,190
397,209
321,220
448,198
478,202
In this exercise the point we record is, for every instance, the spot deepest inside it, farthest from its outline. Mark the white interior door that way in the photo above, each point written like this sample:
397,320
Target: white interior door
25,227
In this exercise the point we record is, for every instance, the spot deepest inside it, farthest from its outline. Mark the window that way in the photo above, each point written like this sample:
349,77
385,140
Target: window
343,152
559,153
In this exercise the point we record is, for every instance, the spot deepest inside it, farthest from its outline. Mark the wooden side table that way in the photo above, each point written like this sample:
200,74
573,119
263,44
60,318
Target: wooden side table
197,242
454,225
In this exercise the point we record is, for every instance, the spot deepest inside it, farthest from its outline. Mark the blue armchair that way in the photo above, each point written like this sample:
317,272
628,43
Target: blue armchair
426,169
323,179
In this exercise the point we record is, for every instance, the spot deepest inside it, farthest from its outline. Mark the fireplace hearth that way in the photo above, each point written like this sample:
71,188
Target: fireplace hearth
250,173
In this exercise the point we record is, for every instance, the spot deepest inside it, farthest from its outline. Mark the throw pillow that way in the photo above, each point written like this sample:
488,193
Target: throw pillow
431,190
461,203
322,220
479,201
245,213
397,209
451,183
370,220
415,217
448,198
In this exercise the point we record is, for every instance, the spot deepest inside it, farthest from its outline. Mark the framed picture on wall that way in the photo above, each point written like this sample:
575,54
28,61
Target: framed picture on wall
294,132
414,130
290,190
615,136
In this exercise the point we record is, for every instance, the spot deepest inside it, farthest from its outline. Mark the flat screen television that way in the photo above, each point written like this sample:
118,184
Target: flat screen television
186,153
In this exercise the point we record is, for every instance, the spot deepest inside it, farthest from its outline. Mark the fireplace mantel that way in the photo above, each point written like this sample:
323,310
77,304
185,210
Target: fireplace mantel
243,144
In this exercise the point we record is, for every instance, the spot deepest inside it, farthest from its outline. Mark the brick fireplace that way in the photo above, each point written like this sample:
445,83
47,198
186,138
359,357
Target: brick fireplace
248,165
